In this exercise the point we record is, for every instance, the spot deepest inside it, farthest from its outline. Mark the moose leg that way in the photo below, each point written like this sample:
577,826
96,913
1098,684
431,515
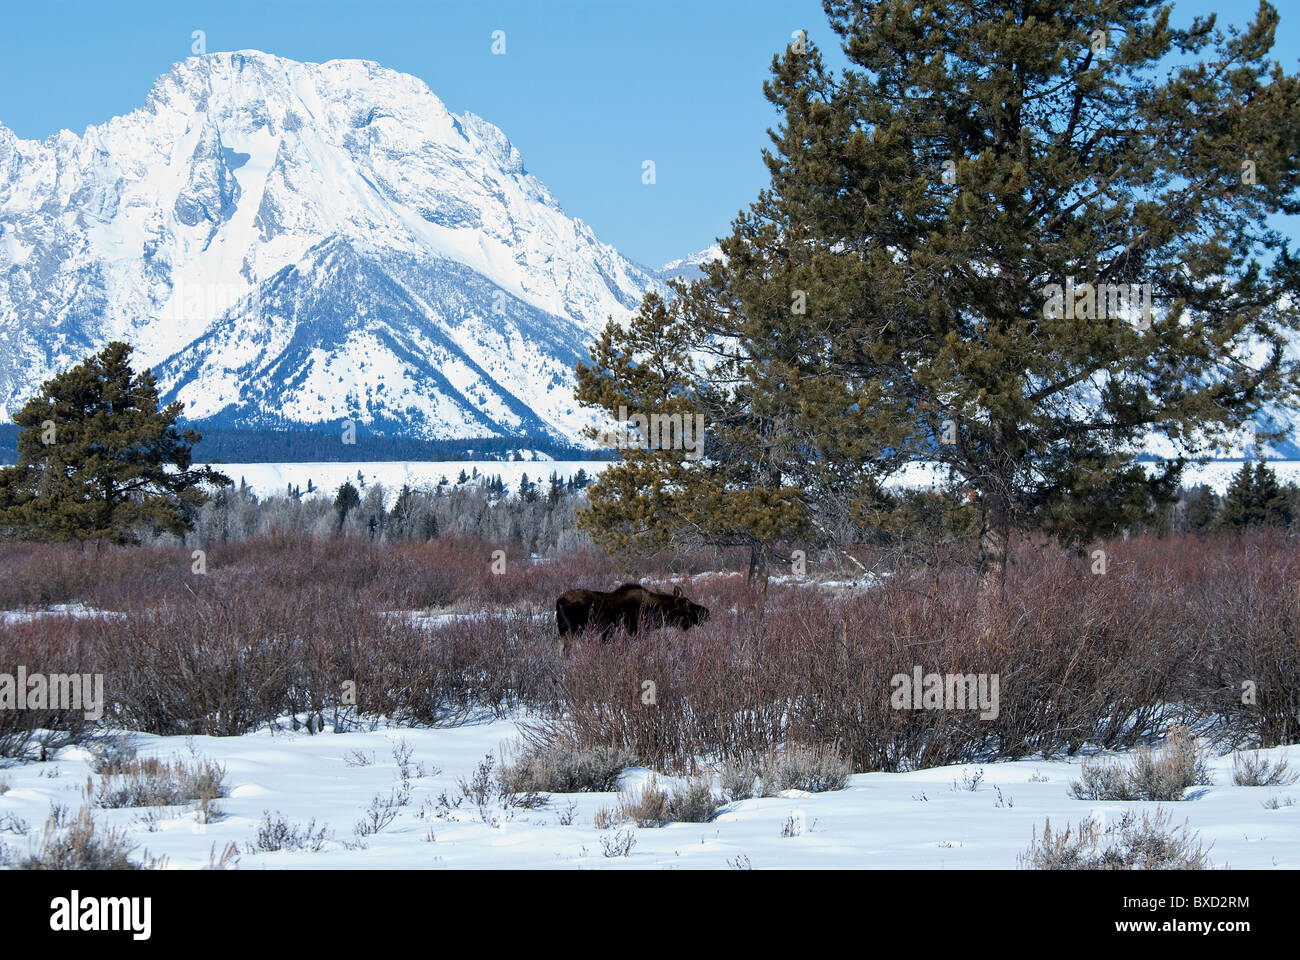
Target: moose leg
570,619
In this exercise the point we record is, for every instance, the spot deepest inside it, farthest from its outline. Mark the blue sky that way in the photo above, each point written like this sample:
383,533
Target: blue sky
587,91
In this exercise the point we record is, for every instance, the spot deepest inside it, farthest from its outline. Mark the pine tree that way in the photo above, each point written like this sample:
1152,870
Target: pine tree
1272,502
403,510
971,217
98,459
1202,508
345,501
732,493
1238,508
1254,499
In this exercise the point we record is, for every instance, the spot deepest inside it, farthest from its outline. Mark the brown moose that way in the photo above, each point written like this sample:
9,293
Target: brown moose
630,606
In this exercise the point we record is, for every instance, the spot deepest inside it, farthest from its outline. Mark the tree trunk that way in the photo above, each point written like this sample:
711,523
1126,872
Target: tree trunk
758,575
995,520
995,535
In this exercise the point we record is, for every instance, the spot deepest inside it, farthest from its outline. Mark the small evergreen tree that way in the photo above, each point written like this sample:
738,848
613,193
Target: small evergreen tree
1202,508
1272,502
1254,499
98,459
347,500
1238,509
527,490
403,511
733,492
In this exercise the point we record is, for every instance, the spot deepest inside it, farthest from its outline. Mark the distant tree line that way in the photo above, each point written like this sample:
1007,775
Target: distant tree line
917,522
539,513
222,445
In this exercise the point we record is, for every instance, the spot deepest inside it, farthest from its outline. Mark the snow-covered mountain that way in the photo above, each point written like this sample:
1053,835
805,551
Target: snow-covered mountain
294,243
690,267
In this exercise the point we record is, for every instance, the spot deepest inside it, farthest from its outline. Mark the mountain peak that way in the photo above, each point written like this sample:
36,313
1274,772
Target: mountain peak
261,225
691,266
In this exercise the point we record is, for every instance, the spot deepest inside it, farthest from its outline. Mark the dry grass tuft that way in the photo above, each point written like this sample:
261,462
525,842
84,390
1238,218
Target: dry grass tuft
1129,844
1155,775
80,843
151,782
1254,770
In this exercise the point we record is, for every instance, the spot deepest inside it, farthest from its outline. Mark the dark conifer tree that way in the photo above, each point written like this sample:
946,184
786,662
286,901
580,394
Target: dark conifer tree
345,501
98,459
1011,237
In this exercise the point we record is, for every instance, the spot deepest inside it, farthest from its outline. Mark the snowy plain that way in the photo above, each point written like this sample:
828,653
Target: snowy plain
270,479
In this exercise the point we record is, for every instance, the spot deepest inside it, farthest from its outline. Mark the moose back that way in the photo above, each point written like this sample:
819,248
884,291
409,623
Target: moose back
630,606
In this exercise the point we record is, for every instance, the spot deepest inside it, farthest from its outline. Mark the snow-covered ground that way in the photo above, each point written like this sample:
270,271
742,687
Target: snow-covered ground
926,819
77,610
1216,474
270,479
